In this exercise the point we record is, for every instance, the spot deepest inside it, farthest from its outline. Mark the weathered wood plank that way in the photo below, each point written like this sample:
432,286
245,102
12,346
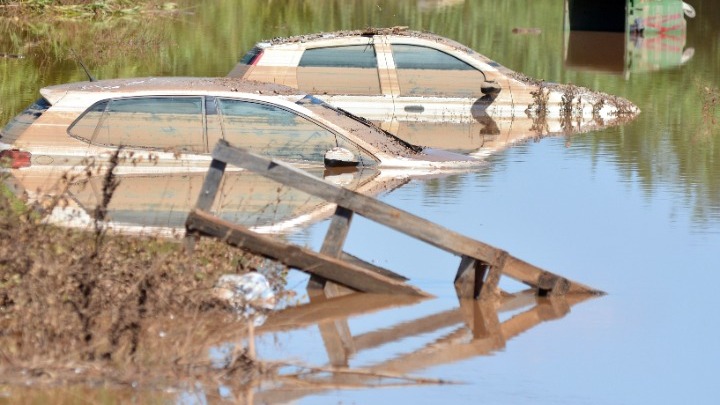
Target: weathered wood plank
419,228
544,280
488,286
333,243
294,256
466,277
211,185
337,232
207,196
475,279
370,208
369,266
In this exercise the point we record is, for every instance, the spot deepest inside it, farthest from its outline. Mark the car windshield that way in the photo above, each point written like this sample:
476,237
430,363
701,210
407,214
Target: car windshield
364,129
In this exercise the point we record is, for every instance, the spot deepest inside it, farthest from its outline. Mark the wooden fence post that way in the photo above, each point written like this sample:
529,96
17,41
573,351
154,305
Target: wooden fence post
478,274
333,246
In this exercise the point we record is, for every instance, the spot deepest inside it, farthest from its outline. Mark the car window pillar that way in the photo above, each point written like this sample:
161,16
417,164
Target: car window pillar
212,128
386,67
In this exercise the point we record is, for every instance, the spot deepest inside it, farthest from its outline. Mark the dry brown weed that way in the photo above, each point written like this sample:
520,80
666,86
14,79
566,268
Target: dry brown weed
114,307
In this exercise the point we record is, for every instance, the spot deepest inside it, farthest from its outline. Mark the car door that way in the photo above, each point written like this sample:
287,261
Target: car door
438,100
348,69
425,74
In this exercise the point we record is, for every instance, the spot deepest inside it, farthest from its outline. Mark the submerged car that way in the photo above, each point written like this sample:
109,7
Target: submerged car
399,78
162,131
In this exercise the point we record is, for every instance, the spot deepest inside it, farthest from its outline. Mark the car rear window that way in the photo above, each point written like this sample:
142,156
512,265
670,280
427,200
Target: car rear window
165,123
249,57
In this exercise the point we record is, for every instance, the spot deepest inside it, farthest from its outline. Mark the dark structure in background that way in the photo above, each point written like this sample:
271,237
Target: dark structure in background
597,15
626,36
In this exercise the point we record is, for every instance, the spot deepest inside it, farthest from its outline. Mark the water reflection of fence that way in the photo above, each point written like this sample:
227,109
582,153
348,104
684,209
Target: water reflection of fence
478,331
480,267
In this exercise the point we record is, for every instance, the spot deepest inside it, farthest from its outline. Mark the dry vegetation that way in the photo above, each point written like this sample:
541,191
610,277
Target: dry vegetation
87,306
83,8
711,100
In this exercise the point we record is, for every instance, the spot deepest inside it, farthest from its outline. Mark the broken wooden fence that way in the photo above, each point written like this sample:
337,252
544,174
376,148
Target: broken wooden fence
481,265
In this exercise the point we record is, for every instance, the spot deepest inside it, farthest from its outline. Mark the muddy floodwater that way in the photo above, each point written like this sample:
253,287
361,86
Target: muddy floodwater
633,210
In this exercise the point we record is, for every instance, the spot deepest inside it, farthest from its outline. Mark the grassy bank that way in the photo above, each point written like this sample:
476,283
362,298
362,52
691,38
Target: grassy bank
83,8
87,306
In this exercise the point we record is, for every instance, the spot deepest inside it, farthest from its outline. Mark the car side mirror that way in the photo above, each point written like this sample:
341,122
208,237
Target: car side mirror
340,157
490,88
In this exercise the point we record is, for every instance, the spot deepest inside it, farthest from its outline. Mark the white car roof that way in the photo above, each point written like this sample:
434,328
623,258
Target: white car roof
170,85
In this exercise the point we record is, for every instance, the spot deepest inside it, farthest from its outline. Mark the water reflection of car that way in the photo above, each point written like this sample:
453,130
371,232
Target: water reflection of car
428,89
165,129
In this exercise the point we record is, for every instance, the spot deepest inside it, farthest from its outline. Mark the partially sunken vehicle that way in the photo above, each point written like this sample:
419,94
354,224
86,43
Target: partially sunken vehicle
399,78
160,132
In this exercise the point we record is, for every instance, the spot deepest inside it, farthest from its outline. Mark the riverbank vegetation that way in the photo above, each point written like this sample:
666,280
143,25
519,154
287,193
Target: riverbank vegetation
83,8
89,306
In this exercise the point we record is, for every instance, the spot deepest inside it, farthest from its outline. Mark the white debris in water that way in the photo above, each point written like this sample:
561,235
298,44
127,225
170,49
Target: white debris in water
69,216
248,294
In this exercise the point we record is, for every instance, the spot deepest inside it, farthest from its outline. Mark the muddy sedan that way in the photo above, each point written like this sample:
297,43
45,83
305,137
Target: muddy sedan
428,89
173,123
165,129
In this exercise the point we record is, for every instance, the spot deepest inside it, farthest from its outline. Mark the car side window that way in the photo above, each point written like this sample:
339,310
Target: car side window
276,132
157,122
339,70
424,71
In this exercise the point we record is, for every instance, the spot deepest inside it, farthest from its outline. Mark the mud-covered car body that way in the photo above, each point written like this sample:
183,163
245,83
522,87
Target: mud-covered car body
399,78
162,131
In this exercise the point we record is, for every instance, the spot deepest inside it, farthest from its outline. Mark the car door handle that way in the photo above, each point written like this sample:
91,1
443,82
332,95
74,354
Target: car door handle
414,108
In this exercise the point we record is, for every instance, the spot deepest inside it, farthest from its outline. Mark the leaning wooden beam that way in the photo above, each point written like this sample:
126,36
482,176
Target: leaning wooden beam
475,279
330,268
377,269
419,228
211,185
